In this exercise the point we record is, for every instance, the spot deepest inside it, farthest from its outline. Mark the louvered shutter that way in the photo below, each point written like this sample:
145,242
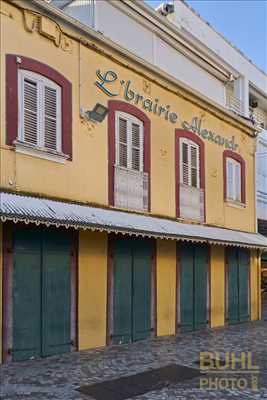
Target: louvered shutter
50,118
237,181
30,111
185,166
136,149
122,143
230,179
194,166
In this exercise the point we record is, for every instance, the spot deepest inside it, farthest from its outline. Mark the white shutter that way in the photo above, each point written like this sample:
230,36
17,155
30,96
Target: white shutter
194,173
30,111
230,179
122,143
136,147
237,181
185,164
50,118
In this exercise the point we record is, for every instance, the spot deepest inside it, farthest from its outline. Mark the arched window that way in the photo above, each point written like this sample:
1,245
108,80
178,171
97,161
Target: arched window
38,109
190,176
129,156
234,177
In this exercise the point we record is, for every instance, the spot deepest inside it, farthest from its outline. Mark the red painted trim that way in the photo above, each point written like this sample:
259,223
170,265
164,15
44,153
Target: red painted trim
238,158
7,291
180,133
12,67
117,105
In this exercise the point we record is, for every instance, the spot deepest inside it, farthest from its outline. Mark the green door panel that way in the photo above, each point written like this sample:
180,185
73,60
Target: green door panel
200,286
187,288
26,295
142,258
122,299
56,293
243,285
233,283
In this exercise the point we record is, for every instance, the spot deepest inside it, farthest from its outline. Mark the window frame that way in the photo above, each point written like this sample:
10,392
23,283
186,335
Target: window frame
15,63
130,119
124,107
237,158
190,143
41,82
179,134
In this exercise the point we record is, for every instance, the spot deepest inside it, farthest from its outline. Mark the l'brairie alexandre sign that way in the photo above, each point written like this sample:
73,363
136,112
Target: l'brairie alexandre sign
107,79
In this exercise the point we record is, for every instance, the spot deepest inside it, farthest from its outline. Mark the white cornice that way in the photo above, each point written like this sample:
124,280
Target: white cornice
90,34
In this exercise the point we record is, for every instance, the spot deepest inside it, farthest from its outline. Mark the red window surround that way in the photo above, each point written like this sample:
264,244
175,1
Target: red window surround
238,158
180,133
12,67
113,106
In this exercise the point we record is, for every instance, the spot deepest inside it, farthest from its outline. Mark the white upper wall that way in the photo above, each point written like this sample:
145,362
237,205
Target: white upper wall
186,18
141,40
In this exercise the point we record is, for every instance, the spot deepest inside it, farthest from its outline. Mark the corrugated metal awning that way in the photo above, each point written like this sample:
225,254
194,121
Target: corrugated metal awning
50,212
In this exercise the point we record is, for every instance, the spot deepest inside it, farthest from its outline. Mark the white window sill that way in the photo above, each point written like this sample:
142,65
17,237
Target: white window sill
235,203
39,152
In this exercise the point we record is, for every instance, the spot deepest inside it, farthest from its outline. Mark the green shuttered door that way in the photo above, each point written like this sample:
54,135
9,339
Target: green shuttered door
132,290
41,293
26,296
238,289
193,287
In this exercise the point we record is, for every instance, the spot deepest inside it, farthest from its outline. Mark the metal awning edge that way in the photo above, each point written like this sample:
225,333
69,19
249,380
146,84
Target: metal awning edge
116,230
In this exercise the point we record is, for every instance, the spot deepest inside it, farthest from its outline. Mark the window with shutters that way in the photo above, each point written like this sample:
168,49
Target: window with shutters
189,156
190,176
130,180
39,112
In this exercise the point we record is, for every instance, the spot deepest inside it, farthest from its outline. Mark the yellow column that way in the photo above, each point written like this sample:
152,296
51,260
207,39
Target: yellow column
217,289
92,300
166,287
255,286
1,274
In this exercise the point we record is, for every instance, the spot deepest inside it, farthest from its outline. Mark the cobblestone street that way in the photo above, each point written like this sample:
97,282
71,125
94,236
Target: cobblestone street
59,377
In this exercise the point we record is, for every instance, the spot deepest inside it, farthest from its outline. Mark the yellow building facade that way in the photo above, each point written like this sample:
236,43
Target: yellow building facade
189,171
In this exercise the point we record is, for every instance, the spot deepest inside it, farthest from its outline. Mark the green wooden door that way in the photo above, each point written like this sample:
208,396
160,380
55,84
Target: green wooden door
238,269
193,287
142,257
187,288
26,296
122,299
131,290
200,287
41,293
243,285
56,293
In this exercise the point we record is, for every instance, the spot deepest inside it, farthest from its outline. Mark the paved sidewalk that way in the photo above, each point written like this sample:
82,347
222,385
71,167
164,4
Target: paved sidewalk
58,377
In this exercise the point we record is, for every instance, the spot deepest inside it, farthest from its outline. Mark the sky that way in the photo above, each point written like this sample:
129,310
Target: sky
243,22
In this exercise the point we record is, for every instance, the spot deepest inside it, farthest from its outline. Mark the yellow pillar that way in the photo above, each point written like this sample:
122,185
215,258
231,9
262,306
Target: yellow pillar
255,286
217,289
92,300
166,287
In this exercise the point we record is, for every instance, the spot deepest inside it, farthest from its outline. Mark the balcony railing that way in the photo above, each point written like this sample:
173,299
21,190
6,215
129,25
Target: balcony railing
130,189
191,203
